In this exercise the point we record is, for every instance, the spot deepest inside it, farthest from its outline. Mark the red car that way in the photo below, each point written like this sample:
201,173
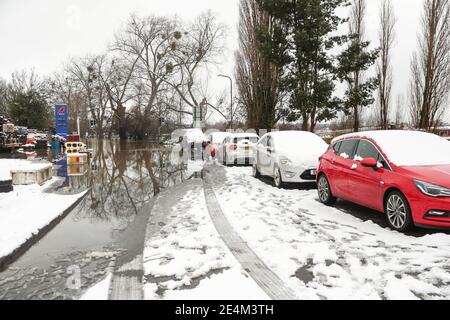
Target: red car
405,174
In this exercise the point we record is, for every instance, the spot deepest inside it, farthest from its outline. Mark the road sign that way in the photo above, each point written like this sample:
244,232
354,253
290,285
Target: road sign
62,120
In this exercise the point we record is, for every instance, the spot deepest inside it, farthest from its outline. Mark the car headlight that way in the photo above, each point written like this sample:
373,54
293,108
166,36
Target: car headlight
432,190
285,161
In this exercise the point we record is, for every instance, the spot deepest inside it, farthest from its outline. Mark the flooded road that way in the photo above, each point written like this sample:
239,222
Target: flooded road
107,228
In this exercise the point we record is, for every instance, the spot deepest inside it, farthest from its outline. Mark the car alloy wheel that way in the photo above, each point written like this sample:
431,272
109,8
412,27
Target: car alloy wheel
277,178
398,212
324,190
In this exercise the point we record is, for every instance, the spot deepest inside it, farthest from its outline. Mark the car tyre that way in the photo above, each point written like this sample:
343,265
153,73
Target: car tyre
324,191
278,179
398,212
256,173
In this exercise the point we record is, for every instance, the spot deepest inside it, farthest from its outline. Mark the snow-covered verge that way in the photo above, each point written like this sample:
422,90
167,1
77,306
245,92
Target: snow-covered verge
100,291
324,253
27,210
187,260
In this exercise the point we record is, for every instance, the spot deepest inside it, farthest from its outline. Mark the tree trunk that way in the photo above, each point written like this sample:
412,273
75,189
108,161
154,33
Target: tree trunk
356,123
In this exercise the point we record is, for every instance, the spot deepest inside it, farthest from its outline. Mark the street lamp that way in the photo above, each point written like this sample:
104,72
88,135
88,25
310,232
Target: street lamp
231,96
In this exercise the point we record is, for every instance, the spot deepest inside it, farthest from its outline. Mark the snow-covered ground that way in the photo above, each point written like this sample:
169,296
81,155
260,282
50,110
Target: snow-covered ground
100,291
26,210
320,252
187,259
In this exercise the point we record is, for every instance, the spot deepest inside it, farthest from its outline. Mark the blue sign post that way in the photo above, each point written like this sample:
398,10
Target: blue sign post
62,120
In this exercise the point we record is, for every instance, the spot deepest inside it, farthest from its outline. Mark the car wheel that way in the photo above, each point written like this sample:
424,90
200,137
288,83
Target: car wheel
324,190
398,212
256,173
278,179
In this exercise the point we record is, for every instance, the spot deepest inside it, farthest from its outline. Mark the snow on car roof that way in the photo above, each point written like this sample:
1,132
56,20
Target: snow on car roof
292,133
218,136
194,135
305,139
243,135
408,148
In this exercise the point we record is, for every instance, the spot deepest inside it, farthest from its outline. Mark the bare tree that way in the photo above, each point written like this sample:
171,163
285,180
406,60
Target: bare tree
384,67
25,82
357,29
64,88
199,48
91,73
257,78
3,97
400,110
430,83
148,45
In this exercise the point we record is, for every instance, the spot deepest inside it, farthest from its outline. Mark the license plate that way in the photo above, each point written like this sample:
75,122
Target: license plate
313,172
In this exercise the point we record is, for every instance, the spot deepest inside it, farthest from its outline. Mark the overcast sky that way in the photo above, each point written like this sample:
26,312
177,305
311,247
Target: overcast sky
42,34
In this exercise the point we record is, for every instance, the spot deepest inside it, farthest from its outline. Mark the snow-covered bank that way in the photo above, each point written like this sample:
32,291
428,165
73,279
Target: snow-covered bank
324,253
28,209
187,259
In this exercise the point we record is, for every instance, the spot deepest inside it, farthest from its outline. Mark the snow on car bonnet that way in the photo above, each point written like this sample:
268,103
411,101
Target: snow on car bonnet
409,148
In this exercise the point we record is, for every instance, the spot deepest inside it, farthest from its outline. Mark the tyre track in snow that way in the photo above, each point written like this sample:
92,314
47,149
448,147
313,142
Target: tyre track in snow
272,285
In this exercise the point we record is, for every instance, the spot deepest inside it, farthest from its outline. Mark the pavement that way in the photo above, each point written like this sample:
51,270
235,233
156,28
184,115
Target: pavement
251,265
272,285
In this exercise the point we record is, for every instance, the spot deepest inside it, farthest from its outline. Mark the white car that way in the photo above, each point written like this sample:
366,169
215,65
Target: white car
238,148
289,157
192,142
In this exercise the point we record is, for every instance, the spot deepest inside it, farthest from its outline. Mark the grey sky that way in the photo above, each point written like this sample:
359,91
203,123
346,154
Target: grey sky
43,33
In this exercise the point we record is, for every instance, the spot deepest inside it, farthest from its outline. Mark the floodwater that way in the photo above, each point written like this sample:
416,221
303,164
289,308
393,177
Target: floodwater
107,227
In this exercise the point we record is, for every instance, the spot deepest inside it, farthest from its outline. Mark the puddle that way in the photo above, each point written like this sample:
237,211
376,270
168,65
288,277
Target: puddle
106,229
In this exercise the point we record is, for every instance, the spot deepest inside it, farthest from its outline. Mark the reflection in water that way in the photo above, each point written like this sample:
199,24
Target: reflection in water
105,226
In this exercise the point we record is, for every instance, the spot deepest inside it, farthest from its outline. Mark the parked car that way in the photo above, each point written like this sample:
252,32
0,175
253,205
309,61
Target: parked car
404,174
238,148
289,156
193,142
216,140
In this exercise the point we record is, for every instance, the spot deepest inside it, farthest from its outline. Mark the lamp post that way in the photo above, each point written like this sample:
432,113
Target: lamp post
231,97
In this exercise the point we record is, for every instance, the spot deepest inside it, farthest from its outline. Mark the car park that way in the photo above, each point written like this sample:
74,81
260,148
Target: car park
405,174
289,156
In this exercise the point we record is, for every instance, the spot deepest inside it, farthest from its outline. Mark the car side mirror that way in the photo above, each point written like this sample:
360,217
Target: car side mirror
270,150
370,163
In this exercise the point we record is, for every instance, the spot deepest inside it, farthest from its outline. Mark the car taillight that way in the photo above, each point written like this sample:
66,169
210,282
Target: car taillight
233,147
